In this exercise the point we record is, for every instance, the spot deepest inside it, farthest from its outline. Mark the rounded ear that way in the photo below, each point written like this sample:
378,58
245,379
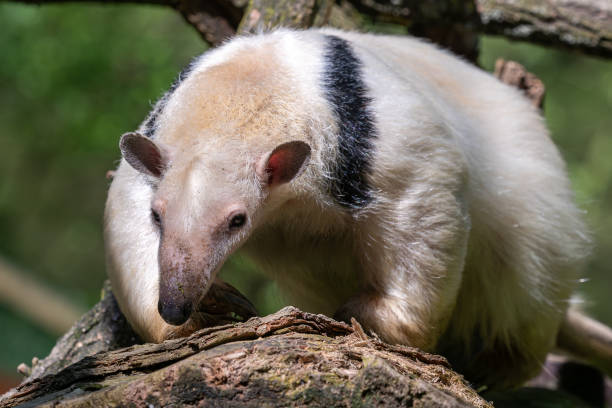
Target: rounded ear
142,154
283,163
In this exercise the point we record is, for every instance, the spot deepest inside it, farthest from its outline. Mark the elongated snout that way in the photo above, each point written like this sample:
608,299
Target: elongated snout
183,278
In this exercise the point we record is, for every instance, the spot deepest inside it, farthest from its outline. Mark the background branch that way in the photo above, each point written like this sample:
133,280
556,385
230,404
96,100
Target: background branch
581,25
35,301
584,25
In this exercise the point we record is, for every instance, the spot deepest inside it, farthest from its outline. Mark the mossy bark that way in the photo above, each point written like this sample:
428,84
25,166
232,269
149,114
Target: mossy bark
263,15
104,328
290,358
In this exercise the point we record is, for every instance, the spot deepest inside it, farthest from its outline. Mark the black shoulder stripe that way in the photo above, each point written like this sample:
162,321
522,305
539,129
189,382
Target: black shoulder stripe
151,122
347,94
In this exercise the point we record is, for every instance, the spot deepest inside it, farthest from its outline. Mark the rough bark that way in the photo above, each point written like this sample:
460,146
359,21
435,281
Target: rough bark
104,328
584,25
215,21
263,15
290,358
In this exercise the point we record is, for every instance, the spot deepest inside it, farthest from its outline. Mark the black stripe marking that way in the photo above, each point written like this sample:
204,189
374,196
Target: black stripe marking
151,121
347,94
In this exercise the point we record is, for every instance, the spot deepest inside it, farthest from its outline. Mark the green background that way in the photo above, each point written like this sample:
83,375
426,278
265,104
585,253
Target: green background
73,78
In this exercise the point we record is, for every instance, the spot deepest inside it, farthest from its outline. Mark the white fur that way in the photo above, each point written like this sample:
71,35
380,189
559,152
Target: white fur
472,233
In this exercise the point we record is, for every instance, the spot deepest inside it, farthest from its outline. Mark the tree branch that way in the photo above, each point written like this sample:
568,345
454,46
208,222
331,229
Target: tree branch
584,25
264,15
216,21
43,306
288,358
104,327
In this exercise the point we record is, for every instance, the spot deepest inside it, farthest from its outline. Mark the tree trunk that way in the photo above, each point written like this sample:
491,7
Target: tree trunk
290,358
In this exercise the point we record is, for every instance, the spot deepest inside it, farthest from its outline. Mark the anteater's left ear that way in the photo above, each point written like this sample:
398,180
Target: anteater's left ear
283,163
143,154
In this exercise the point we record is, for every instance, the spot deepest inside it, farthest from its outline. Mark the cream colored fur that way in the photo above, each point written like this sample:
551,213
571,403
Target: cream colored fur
472,244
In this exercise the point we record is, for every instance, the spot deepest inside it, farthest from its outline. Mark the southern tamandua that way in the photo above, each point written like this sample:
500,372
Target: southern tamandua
372,176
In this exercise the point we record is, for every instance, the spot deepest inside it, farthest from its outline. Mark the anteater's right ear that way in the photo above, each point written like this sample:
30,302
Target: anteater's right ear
283,163
143,154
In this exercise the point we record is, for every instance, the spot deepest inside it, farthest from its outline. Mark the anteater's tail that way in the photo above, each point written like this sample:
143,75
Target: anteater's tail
586,339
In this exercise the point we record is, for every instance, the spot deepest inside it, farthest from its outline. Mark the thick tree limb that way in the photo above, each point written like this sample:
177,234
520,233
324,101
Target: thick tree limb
580,24
104,327
262,15
585,25
215,21
288,358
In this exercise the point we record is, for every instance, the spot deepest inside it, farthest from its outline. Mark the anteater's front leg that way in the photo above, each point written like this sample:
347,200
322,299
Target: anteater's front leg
415,261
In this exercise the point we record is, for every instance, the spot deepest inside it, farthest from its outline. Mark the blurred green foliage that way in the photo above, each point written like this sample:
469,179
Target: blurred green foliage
73,78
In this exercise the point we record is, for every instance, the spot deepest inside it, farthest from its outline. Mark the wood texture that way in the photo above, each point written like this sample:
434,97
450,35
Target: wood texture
290,358
104,328
263,15
584,25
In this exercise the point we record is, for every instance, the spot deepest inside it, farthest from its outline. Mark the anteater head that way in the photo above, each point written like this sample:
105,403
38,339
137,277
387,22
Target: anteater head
205,206
223,148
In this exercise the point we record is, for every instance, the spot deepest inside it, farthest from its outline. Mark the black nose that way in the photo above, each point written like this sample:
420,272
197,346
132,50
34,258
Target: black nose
174,314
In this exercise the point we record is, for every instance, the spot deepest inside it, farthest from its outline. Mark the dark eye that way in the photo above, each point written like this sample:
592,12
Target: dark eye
156,218
237,221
